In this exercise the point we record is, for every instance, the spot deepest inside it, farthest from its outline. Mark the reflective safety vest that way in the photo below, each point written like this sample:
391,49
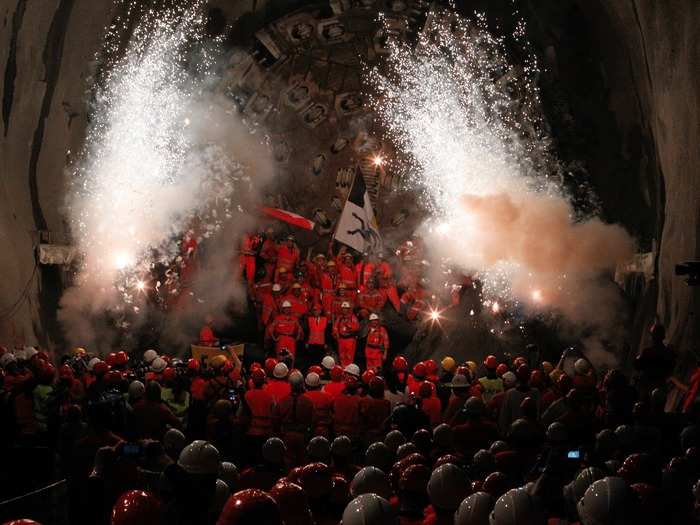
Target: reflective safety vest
262,410
346,326
285,325
490,387
378,338
317,330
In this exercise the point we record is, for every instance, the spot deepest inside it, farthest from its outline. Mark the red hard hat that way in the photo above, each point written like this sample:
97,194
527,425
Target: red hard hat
43,356
316,369
316,480
425,389
100,368
431,367
193,364
340,494
250,506
65,372
258,376
111,359
169,374
122,358
399,364
419,370
270,364
520,360
336,373
414,479
114,377
47,372
501,369
463,370
447,458
536,379
292,502
523,372
136,507
256,366
496,484
491,362
397,469
367,376
22,522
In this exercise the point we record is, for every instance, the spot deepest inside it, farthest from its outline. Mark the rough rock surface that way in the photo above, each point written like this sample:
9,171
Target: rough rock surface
644,115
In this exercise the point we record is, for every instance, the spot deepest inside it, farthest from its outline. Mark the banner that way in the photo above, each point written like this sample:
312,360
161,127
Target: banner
289,217
357,226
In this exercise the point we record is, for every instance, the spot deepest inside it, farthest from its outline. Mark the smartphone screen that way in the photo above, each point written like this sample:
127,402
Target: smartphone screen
574,454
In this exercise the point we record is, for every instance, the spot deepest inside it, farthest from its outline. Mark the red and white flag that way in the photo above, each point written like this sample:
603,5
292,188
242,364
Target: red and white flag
289,217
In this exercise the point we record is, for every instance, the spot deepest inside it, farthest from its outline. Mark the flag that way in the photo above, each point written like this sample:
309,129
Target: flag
289,217
357,226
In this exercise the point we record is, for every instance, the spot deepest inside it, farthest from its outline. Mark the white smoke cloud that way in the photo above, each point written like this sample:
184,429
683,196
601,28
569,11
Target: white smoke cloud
470,127
164,153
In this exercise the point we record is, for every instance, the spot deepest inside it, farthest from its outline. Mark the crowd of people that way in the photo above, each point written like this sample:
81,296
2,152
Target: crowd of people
149,439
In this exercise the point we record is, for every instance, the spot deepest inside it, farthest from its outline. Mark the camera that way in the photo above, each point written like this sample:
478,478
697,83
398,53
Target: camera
691,270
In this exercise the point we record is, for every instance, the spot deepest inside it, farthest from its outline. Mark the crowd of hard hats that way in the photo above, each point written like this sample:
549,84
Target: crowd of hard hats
148,439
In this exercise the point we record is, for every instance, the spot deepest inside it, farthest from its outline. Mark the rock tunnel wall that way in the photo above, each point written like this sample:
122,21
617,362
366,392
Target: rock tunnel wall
644,115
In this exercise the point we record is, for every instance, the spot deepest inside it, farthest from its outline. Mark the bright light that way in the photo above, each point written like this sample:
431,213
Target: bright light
495,307
443,228
122,260
140,286
537,296
378,160
434,315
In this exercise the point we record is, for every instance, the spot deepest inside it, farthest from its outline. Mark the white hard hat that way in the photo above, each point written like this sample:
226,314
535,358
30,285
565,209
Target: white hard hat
373,317
509,379
577,488
448,486
7,358
319,449
136,389
273,450
312,380
605,501
296,377
199,457
149,355
286,304
221,494
28,352
276,288
158,364
370,480
280,371
228,472
474,510
91,364
459,381
352,369
328,362
369,509
173,440
394,440
581,366
345,304
517,507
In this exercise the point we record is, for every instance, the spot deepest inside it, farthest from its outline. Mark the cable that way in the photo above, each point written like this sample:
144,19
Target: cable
12,310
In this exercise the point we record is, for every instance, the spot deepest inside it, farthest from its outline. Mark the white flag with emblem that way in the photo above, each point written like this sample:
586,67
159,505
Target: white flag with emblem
357,226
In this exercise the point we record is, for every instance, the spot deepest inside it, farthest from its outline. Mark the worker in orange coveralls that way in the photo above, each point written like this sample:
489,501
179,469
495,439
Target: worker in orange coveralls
386,281
285,330
342,296
188,251
345,330
250,244
346,274
271,304
415,300
364,270
327,282
268,251
288,255
206,334
377,346
300,307
370,300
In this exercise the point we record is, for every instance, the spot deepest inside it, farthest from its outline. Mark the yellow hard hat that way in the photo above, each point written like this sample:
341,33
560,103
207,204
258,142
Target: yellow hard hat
78,351
218,361
448,364
472,365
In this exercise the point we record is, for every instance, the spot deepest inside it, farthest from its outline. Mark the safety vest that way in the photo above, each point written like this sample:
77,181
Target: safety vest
491,387
363,272
317,330
372,301
287,257
285,325
262,410
347,277
347,326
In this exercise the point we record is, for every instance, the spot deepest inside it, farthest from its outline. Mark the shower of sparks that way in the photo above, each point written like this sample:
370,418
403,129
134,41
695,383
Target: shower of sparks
466,122
143,175
378,160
